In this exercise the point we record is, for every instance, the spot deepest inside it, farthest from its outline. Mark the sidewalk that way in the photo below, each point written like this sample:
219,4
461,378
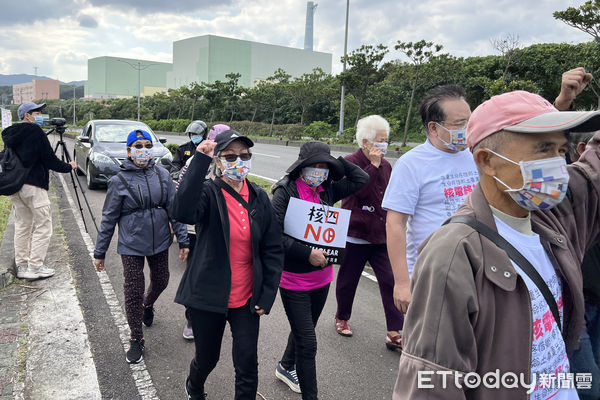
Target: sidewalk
44,349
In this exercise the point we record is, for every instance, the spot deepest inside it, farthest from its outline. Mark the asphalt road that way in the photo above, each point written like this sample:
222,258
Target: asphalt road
359,367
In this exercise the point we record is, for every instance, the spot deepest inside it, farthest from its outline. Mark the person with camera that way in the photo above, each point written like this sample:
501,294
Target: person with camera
33,216
140,199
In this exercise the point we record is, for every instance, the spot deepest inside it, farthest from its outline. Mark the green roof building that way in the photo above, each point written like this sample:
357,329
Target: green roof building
113,77
209,58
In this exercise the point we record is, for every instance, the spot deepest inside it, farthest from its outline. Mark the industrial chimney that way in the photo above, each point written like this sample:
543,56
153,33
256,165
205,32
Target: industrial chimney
308,31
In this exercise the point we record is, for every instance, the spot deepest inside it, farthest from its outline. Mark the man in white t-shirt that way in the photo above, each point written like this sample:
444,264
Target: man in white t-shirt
428,183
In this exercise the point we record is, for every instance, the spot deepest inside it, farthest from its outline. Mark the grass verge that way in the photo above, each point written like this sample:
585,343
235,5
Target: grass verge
263,183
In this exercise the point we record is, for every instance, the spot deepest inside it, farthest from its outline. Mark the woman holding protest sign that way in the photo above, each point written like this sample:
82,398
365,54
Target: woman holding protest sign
233,276
316,177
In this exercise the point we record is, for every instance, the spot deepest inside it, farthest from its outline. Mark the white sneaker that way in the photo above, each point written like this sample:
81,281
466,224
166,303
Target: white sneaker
43,271
23,272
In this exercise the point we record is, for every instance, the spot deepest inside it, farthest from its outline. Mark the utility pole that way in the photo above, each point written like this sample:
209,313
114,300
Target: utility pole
139,67
74,105
341,132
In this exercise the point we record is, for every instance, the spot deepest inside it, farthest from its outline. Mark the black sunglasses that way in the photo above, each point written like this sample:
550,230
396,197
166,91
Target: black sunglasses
233,157
141,146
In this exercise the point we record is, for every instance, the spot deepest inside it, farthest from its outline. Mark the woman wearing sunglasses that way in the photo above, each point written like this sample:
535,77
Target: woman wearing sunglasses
315,177
233,276
139,198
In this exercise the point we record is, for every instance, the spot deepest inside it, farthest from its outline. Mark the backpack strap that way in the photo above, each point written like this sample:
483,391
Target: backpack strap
514,255
162,186
130,190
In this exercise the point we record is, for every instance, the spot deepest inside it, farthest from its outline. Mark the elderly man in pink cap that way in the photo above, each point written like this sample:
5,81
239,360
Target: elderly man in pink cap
497,303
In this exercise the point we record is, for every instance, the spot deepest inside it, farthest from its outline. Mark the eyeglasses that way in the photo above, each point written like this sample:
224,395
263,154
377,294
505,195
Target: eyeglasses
233,157
141,146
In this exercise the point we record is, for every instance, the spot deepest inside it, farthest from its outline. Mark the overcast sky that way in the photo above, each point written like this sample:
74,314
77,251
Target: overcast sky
58,36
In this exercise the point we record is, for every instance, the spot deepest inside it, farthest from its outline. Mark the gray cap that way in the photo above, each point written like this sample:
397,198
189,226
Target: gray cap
28,107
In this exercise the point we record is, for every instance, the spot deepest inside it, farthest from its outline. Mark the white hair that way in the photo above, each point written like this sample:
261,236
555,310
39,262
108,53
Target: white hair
367,128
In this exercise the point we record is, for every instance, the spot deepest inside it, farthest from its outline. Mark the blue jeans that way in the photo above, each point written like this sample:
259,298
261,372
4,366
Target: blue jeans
587,358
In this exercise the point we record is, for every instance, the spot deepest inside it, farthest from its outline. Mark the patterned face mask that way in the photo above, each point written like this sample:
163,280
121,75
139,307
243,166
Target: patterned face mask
458,138
236,170
141,156
545,183
313,177
381,146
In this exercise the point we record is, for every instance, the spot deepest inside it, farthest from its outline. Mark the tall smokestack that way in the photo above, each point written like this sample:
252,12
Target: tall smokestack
308,31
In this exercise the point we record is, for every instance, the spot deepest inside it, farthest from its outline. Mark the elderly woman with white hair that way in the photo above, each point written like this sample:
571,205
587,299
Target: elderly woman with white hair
366,235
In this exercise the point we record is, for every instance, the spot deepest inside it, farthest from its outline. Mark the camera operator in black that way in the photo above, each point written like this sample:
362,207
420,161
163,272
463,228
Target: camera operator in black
33,217
197,131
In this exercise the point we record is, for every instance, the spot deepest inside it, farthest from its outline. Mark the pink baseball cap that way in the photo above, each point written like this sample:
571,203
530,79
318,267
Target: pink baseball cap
525,112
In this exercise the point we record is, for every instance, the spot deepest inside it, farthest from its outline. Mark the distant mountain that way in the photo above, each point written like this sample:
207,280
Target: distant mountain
14,79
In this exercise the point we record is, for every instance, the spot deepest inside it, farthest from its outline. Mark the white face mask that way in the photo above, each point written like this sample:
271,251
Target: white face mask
313,177
458,138
381,146
545,183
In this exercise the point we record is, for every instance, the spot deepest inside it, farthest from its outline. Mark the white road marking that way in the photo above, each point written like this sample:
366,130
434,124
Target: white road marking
140,374
265,155
369,276
264,177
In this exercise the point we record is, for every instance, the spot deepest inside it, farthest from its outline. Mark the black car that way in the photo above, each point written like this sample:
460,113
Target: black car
101,148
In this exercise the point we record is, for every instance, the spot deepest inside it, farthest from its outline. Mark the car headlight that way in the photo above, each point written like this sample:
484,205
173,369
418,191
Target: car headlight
101,160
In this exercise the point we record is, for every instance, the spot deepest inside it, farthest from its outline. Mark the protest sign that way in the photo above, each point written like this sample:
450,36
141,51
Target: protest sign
6,118
318,226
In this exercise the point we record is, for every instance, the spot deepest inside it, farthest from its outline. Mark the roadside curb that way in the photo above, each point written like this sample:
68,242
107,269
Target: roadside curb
44,348
7,253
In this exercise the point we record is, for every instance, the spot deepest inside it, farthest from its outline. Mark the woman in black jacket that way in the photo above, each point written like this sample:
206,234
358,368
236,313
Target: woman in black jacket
319,178
233,276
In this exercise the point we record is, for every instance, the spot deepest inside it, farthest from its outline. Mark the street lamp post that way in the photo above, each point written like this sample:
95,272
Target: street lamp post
341,132
138,66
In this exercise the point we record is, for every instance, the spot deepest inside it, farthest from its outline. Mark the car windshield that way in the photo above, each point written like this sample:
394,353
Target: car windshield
118,132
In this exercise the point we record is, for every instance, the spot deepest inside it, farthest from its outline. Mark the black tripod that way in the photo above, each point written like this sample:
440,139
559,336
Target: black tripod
60,129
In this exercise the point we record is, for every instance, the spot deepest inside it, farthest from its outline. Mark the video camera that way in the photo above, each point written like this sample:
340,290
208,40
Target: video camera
59,125
58,121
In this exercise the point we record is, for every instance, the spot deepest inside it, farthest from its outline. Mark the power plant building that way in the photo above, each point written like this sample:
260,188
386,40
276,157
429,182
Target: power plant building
209,58
114,77
206,58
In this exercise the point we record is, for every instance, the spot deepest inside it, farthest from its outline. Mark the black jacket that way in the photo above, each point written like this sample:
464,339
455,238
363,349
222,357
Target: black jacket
206,283
183,153
33,148
297,253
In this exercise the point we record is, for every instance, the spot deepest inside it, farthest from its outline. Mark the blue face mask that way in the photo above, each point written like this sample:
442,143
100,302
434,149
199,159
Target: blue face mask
39,120
196,139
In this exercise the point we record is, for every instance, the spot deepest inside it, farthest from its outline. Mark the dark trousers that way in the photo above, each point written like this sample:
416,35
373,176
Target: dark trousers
208,330
587,358
192,239
134,285
303,309
355,259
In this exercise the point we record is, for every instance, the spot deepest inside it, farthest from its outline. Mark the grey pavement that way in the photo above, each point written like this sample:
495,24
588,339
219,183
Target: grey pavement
352,368
44,347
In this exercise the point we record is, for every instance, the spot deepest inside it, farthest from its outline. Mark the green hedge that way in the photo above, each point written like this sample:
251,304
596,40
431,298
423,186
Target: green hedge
289,131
